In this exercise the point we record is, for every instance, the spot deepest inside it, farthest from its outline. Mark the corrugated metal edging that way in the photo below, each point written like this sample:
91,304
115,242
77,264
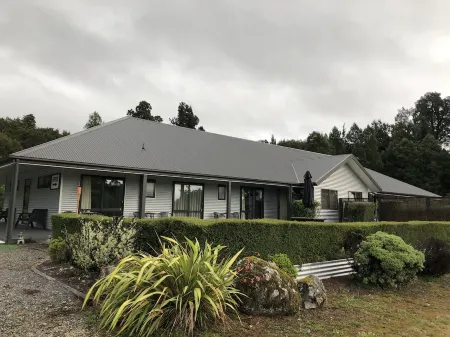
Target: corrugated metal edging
326,269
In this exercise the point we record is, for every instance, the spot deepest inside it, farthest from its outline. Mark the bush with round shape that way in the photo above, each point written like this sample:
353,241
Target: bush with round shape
58,250
284,263
182,288
385,260
437,257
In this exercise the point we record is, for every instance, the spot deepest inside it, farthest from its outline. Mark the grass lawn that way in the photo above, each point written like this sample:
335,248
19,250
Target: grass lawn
422,309
7,247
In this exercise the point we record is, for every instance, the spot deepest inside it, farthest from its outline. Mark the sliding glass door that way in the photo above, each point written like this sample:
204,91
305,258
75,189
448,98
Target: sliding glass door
102,195
188,200
252,203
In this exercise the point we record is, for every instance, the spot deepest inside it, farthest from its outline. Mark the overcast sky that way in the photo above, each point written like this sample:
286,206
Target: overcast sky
248,68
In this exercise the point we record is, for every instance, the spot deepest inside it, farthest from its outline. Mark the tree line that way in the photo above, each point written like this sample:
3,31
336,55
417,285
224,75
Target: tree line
413,149
185,117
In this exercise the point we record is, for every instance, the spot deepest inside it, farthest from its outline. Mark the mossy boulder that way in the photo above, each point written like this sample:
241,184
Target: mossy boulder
312,292
268,290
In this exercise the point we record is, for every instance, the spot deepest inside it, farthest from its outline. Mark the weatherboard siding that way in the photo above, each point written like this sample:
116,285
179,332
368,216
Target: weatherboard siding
43,198
69,191
344,180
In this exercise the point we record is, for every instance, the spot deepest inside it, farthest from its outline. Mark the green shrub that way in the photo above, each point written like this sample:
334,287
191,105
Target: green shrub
183,287
301,241
360,211
385,260
97,244
58,250
284,263
299,210
72,223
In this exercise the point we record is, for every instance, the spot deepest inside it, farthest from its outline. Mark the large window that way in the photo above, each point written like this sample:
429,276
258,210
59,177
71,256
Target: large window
44,182
102,195
188,200
329,199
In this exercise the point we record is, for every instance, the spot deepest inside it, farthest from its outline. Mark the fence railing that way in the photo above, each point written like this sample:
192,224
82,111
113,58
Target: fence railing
326,269
414,209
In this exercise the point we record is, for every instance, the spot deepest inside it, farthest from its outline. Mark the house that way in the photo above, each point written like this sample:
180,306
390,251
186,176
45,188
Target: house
133,167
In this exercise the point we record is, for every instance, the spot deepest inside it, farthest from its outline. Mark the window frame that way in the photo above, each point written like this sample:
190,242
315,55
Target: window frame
42,183
354,197
224,192
150,180
329,199
102,210
202,213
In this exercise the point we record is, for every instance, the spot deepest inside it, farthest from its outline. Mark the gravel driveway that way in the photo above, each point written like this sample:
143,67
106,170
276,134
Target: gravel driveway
33,306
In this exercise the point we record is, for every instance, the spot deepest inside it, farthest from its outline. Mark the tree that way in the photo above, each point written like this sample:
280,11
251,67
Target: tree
185,117
201,128
353,137
432,116
337,142
373,157
8,145
318,142
29,121
382,132
273,140
94,120
144,111
293,143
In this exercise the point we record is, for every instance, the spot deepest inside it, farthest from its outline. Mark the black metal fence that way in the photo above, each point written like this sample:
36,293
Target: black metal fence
414,209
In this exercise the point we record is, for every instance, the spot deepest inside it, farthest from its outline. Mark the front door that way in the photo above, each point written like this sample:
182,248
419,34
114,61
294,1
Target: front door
26,195
252,203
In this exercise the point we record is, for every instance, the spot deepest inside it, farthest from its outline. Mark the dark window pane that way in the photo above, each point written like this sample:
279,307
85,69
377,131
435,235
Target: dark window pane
150,189
113,193
96,192
222,192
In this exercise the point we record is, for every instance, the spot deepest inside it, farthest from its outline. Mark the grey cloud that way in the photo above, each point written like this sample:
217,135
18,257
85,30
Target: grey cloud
330,62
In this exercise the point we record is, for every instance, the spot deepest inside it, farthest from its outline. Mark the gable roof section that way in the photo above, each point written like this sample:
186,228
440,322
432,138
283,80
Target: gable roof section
143,145
131,143
394,186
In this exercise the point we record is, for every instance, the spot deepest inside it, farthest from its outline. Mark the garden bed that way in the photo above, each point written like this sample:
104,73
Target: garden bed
69,275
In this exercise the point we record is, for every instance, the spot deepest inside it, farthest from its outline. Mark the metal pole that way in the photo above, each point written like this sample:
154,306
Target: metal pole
229,200
143,196
12,201
289,210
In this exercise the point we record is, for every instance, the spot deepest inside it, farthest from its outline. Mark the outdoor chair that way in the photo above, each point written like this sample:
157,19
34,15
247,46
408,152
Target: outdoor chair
163,214
4,215
236,215
37,216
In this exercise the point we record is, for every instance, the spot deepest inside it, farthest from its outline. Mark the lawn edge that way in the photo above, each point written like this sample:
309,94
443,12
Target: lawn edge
74,291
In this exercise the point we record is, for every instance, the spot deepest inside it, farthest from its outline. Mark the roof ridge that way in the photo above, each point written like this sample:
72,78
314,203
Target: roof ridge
74,135
234,137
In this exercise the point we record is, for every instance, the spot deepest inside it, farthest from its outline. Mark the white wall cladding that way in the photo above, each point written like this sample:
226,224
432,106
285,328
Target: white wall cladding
162,202
39,198
212,203
132,195
69,191
343,180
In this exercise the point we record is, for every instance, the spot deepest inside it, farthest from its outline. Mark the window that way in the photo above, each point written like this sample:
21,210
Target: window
355,195
222,192
150,188
44,182
329,199
102,194
297,193
187,200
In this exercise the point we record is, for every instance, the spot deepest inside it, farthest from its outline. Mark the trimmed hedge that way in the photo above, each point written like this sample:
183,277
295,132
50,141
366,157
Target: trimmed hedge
301,241
72,222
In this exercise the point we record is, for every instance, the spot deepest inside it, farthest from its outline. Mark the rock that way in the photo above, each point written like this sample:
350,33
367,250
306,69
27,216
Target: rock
268,290
312,292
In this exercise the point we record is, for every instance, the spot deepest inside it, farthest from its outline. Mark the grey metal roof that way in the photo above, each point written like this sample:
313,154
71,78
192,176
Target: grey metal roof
169,148
391,185
133,143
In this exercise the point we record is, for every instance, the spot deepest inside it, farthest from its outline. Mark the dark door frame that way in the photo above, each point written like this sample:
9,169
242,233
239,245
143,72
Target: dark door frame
254,197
